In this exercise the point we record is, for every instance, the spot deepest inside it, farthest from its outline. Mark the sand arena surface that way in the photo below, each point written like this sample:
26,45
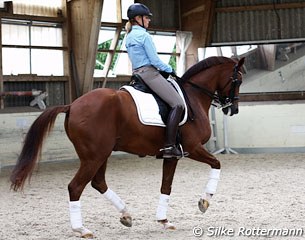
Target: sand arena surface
264,191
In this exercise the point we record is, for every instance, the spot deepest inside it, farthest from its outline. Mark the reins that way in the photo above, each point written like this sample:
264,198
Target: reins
217,100
191,115
207,92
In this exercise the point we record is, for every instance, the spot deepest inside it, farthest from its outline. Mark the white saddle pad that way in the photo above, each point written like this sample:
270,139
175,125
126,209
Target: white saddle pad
147,106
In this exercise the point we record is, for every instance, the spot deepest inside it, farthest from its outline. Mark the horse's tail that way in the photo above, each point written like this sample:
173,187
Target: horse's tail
32,145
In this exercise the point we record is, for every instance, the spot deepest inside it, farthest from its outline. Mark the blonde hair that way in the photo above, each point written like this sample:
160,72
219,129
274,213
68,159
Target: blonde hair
128,26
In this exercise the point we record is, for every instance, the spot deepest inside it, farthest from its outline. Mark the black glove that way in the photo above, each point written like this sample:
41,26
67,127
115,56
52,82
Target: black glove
164,74
173,74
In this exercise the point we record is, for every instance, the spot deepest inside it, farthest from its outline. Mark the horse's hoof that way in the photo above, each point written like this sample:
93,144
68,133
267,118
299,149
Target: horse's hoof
203,205
88,236
84,232
126,220
167,225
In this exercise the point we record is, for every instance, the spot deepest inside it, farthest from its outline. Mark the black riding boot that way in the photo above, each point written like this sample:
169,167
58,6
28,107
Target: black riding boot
170,149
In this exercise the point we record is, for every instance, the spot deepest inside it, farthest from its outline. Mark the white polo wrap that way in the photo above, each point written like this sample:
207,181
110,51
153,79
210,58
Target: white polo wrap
115,200
162,207
213,181
75,214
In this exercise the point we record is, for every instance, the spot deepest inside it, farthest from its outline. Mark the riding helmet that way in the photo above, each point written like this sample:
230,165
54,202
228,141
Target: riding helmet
138,9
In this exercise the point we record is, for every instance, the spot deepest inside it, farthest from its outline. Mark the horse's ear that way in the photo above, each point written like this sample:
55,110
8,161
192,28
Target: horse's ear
241,62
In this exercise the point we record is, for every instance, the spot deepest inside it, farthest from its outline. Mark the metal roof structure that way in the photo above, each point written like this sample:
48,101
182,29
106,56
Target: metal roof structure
211,22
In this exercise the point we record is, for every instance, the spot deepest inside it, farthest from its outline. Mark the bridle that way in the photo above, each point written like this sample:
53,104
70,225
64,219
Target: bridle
223,101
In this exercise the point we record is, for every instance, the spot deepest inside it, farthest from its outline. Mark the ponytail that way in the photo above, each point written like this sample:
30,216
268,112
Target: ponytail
128,27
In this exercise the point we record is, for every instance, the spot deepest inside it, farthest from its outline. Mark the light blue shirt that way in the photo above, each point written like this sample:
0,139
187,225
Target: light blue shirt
142,51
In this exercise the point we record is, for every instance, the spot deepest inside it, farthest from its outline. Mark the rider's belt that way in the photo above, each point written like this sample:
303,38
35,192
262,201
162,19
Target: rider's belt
148,65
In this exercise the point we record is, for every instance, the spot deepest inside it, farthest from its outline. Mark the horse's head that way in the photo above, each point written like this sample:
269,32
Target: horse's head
229,91
225,81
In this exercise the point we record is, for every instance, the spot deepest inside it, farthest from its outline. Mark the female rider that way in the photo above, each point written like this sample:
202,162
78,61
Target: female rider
146,63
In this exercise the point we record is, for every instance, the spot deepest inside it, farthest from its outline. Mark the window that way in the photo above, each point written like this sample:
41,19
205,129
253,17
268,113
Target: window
165,42
32,47
111,16
165,45
228,51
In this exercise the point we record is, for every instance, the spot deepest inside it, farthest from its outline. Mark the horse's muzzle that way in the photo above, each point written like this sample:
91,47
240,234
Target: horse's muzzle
231,110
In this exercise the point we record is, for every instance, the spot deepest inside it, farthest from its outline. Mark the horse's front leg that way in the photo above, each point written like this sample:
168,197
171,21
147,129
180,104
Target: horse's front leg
169,167
202,155
209,190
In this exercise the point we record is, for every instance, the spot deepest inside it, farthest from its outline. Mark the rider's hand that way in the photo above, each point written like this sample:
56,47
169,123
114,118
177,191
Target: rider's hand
164,74
173,74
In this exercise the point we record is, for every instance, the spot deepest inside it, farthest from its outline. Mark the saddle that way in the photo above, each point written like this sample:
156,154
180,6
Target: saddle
138,83
151,109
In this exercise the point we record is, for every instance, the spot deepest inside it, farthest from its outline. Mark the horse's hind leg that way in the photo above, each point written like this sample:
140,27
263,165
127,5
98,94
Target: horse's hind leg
76,187
99,183
169,167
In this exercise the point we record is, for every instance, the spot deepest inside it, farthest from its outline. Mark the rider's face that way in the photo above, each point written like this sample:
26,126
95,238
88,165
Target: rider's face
146,20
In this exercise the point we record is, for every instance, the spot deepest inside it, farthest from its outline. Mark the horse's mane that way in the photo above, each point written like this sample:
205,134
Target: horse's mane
204,64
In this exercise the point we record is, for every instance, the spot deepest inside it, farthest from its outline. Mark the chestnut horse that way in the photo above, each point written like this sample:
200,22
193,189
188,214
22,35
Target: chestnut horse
106,120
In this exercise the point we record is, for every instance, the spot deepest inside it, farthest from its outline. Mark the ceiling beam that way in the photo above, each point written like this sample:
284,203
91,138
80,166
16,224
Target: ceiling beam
1,70
262,7
194,10
197,17
85,26
272,96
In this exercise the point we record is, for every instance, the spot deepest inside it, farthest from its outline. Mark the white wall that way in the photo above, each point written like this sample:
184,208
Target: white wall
265,125
13,128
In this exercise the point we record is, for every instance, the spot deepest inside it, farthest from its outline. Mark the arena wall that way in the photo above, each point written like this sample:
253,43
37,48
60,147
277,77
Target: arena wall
265,127
259,127
14,127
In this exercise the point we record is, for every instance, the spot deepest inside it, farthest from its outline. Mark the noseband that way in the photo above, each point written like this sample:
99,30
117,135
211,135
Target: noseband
223,101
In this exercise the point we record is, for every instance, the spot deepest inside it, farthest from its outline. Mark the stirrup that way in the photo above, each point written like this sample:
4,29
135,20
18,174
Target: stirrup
171,154
184,154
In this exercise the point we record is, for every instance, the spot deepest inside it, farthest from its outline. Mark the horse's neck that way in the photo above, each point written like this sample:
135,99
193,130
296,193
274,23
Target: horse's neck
207,83
199,101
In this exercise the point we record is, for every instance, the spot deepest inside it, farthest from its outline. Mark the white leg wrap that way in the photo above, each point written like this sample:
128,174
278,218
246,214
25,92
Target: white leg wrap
162,207
206,196
115,200
213,181
75,214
